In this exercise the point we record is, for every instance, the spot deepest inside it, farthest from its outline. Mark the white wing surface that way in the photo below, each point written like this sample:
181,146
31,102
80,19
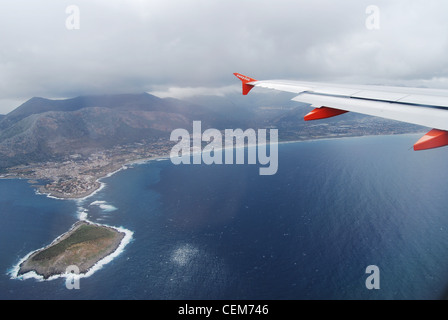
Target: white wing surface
421,106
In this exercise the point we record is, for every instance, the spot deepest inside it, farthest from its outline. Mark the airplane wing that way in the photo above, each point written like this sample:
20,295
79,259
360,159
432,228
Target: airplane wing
421,106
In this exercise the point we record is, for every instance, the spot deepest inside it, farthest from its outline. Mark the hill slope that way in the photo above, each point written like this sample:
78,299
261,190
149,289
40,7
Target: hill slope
43,129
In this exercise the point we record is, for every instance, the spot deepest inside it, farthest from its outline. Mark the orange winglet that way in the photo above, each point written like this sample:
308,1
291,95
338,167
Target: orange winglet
245,79
323,113
433,139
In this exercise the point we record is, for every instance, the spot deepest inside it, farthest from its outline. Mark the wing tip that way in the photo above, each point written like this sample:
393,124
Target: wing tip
245,80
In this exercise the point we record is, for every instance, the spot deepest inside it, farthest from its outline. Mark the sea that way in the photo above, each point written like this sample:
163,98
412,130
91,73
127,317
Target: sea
212,232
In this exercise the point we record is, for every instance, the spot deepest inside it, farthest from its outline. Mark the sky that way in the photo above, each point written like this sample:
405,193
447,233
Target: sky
63,49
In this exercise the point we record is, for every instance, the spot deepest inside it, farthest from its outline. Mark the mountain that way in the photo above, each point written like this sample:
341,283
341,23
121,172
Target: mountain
122,102
43,129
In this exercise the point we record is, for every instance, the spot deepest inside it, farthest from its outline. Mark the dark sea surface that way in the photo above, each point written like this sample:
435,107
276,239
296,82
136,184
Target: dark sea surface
225,232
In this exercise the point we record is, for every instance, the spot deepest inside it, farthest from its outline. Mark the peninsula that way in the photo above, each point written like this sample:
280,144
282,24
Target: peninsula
76,176
83,246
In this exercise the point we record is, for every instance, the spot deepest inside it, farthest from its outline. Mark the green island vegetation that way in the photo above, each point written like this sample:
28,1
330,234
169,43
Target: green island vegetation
86,232
83,246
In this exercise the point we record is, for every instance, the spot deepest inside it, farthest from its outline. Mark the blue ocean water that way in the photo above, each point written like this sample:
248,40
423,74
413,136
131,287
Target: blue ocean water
225,232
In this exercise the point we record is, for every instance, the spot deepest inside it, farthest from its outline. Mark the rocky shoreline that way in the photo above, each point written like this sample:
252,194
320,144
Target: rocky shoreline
84,252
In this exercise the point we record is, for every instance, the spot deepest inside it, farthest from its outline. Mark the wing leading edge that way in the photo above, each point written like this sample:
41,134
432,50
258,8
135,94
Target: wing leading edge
425,107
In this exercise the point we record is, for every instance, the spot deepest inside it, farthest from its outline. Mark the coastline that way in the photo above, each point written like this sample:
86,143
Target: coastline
102,185
99,185
128,234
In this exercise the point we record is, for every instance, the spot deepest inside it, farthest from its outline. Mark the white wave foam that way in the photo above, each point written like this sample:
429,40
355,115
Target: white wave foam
104,206
82,214
108,207
110,174
101,187
48,195
124,242
98,202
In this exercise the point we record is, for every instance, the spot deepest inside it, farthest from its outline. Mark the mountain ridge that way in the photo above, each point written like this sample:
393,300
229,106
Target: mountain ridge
41,129
44,129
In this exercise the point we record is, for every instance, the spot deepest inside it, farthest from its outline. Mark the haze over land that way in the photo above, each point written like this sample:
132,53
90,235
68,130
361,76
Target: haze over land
185,47
42,130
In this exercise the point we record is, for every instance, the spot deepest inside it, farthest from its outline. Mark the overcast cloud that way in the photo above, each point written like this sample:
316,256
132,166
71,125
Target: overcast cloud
182,46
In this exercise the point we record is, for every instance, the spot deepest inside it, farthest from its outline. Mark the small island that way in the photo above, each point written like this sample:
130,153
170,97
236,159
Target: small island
83,246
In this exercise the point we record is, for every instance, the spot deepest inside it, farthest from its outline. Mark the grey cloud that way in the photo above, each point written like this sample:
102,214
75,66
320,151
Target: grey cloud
136,46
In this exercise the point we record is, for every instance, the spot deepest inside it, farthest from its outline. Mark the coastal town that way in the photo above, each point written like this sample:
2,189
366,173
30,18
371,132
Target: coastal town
76,175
